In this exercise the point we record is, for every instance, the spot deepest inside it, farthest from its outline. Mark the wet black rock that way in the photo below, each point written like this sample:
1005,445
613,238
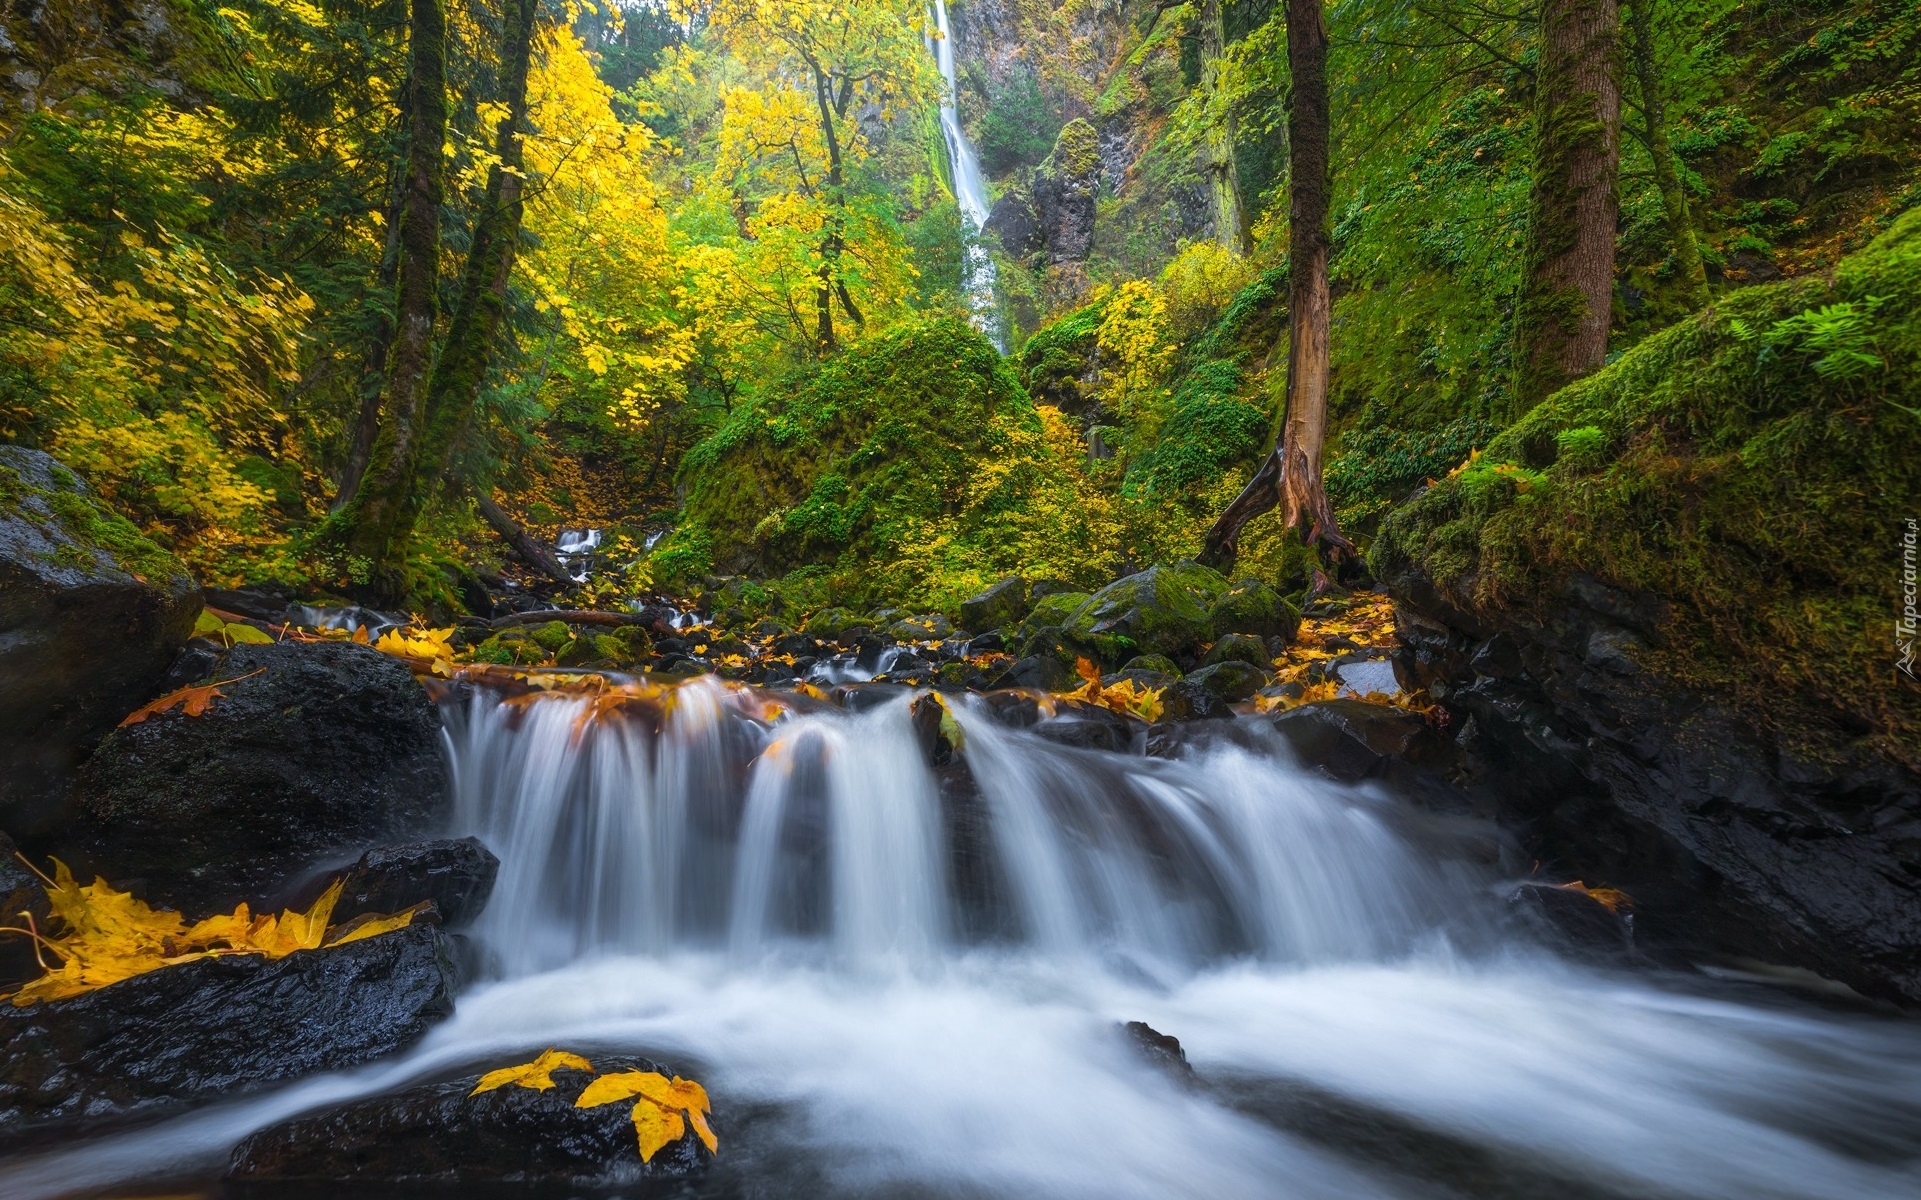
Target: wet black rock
312,752
440,1136
1350,740
1160,1049
1570,920
1014,221
457,874
91,615
1729,838
1088,726
215,1028
20,892
1005,603
1186,700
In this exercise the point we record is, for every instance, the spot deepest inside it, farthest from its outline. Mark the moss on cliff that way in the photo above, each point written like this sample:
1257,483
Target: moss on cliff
1754,466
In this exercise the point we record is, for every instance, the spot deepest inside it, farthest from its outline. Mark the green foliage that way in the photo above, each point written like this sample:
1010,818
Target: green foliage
1378,465
1753,492
1019,126
1836,339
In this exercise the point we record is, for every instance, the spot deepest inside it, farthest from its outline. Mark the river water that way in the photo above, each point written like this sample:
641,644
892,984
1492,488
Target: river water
903,982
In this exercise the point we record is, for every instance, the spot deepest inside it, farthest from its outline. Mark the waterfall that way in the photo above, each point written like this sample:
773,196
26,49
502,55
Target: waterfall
829,833
898,978
970,192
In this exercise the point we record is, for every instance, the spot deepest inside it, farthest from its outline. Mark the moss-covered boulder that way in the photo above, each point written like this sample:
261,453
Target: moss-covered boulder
1251,607
1669,597
1166,610
844,456
1001,605
91,615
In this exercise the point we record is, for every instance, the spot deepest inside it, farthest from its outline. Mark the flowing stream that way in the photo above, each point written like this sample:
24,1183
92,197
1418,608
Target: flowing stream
970,192
903,981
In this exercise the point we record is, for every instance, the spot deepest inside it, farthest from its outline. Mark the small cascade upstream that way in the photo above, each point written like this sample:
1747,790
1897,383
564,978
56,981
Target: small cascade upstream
910,970
970,192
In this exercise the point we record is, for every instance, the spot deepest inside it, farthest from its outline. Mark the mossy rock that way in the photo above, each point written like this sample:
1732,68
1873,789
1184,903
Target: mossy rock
1053,611
1737,468
1153,662
1232,682
552,637
1239,647
847,455
1165,610
1252,607
1000,605
830,623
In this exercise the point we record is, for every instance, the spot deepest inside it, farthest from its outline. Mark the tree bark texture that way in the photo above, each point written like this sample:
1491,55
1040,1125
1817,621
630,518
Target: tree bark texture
1290,478
1223,169
380,342
363,527
453,387
1567,286
1674,198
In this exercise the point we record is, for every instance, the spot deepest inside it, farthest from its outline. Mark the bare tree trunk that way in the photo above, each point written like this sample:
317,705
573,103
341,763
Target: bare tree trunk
525,546
1567,288
1291,475
1223,170
1674,198
362,527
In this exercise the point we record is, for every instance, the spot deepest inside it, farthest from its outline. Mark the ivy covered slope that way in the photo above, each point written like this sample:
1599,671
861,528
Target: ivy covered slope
1753,467
912,468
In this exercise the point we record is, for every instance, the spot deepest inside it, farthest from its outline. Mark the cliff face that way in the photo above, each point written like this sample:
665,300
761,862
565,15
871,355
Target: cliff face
1068,103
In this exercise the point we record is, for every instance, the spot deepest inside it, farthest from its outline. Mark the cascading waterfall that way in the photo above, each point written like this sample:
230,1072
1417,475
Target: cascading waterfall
970,192
913,974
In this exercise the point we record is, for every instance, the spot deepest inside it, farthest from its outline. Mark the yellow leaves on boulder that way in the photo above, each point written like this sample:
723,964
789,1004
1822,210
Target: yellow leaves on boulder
538,1074
110,935
431,648
1124,697
663,1111
192,701
663,1107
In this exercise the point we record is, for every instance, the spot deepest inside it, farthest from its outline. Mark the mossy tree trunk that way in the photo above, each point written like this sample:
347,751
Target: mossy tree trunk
1567,286
1654,135
1290,478
361,530
453,387
832,103
380,340
1223,170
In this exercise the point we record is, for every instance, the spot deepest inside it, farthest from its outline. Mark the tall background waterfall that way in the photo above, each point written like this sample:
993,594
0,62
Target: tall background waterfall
903,975
970,192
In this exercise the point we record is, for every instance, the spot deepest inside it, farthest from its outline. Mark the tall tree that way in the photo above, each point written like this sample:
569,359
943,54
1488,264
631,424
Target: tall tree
1223,169
843,54
423,429
1567,284
1654,136
1291,475
362,527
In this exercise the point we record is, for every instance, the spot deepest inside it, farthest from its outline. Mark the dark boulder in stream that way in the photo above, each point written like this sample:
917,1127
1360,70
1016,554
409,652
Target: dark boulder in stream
213,1028
441,1136
311,752
91,614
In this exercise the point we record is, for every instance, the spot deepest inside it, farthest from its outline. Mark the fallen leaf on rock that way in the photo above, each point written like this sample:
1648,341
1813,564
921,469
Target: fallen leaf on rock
538,1074
1612,899
658,1114
110,935
1123,697
195,699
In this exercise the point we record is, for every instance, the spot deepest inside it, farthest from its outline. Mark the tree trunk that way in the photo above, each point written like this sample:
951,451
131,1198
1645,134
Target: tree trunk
453,387
1291,475
525,546
1223,170
1674,198
1567,288
362,528
373,367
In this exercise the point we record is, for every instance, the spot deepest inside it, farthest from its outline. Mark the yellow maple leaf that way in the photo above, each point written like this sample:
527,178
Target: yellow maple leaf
658,1112
538,1074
